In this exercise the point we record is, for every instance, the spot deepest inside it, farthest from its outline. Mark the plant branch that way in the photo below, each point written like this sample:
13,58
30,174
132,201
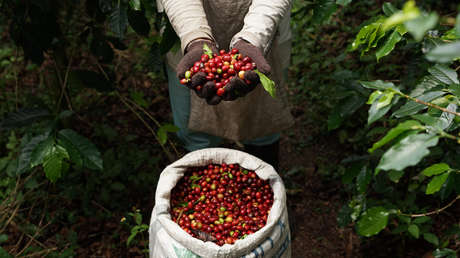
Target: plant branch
428,104
432,212
170,156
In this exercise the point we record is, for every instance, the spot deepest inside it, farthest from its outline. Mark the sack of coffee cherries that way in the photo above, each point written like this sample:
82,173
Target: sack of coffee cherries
219,202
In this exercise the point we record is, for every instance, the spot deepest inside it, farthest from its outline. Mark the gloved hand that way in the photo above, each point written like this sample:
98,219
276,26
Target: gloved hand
193,54
238,87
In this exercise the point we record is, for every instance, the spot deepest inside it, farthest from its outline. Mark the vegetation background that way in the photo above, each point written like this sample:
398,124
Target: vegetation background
372,165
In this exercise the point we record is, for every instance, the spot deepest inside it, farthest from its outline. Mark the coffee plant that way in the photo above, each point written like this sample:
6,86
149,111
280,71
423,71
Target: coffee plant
411,173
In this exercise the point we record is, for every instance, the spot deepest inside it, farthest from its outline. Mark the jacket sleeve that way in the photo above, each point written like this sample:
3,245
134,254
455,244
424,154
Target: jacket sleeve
261,22
188,20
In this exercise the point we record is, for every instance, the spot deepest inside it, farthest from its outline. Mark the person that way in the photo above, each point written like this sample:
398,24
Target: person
259,29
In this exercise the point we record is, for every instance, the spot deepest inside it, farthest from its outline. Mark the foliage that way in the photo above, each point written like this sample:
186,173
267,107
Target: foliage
414,165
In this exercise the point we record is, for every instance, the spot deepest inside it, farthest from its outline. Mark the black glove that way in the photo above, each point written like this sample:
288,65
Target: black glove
238,87
192,54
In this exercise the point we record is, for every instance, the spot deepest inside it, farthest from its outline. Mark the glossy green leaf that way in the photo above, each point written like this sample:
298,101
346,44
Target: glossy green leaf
53,164
135,4
267,83
41,151
408,152
368,34
385,99
436,183
444,74
207,50
169,39
409,12
394,132
426,119
395,175
119,21
139,22
363,179
412,107
389,45
375,113
444,253
374,95
455,89
389,9
378,85
414,230
373,221
23,117
163,130
419,26
25,155
431,238
90,155
323,10
444,53
436,169
446,119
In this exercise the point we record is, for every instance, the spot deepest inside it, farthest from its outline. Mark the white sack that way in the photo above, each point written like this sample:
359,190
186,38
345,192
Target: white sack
167,239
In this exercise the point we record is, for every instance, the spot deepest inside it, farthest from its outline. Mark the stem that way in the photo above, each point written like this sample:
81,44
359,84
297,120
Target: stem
64,84
427,103
154,120
170,157
16,87
432,212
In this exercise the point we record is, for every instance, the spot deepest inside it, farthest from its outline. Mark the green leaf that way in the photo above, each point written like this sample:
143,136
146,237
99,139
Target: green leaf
268,84
445,252
41,151
412,107
343,218
436,169
207,50
457,25
3,238
23,117
409,12
373,221
374,96
444,74
343,2
368,34
389,9
408,152
363,179
421,220
389,45
431,238
91,157
446,119
94,80
138,22
378,85
444,53
168,39
163,130
375,113
26,153
135,4
436,183
455,89
419,26
414,230
119,21
394,132
138,97
385,99
53,167
323,10
395,175
426,119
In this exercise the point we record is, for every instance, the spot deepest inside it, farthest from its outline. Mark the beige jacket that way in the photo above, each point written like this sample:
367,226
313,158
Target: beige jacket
263,23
